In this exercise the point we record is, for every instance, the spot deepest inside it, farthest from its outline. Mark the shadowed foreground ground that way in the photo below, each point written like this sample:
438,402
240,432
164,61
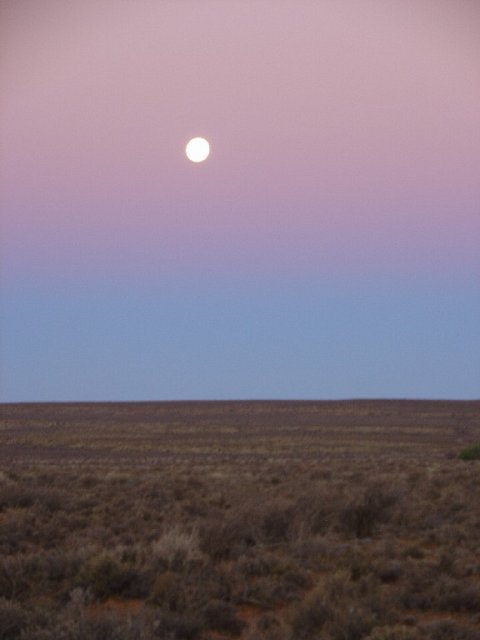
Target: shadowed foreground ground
276,520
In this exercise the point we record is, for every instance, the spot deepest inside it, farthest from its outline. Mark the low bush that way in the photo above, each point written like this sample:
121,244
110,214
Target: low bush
221,616
104,626
470,453
231,536
16,573
276,523
269,627
176,626
363,513
168,591
311,616
105,576
397,632
341,609
390,571
13,620
177,548
447,630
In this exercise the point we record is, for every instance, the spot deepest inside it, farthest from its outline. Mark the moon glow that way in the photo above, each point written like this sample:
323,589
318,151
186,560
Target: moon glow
197,149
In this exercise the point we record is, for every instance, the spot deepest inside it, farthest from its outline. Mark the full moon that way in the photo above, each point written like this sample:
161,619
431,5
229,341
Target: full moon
197,149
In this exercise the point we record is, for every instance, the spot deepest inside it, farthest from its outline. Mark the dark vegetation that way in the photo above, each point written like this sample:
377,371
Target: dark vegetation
471,453
276,521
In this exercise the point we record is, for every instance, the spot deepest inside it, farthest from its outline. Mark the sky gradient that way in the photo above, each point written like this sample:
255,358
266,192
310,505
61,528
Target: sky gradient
328,247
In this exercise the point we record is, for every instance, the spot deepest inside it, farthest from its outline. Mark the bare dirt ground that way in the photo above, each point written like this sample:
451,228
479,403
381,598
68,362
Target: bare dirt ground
349,520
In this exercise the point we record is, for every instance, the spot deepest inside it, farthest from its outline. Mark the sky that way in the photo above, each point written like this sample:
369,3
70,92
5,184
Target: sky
327,248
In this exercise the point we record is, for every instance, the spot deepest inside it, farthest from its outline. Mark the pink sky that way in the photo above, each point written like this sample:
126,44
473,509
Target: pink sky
344,135
328,247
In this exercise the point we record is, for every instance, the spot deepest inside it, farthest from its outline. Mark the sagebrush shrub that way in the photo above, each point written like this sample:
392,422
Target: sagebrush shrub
177,548
105,576
276,523
363,513
221,616
168,591
232,536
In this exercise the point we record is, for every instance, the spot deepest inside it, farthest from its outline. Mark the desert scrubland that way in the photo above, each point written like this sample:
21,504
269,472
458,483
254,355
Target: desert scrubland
251,520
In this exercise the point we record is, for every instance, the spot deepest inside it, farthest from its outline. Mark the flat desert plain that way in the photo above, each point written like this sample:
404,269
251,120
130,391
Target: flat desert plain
283,520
